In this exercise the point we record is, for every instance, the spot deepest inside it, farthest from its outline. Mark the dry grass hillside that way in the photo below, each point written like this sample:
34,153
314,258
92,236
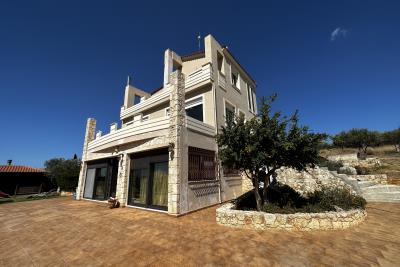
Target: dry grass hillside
389,158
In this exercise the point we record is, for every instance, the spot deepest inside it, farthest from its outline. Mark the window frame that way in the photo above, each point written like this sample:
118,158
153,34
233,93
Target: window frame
196,103
230,103
251,97
196,167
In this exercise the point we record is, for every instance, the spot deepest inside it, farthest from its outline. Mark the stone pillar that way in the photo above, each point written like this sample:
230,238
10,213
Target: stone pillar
122,180
168,66
177,176
89,136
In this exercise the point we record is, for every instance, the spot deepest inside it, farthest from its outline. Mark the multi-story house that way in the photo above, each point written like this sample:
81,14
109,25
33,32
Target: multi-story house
164,154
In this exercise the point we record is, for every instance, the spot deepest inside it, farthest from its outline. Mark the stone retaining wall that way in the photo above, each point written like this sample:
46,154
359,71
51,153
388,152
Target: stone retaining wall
344,157
311,180
227,215
351,160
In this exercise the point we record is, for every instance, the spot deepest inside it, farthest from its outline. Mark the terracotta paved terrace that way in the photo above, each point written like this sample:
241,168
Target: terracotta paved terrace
64,232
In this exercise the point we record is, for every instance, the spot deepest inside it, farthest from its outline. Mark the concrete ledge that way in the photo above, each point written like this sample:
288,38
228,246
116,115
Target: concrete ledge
227,215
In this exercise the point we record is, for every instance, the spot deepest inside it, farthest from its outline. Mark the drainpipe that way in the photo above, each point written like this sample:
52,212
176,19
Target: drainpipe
216,132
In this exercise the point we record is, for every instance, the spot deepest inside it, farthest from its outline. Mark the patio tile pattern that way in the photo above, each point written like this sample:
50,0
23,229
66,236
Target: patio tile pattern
64,232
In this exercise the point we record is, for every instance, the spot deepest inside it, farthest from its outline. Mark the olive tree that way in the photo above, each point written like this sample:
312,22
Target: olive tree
64,171
392,138
269,141
357,138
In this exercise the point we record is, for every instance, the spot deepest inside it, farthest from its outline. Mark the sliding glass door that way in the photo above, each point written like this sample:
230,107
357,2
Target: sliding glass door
101,179
148,181
89,184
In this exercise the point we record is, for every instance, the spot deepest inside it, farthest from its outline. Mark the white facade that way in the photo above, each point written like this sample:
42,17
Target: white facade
164,155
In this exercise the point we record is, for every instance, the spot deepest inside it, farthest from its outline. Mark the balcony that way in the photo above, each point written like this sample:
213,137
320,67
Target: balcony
153,101
135,132
199,77
144,130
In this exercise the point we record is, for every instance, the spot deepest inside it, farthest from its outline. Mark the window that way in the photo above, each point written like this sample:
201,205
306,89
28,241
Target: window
201,164
194,108
234,79
251,98
254,102
230,110
249,102
220,59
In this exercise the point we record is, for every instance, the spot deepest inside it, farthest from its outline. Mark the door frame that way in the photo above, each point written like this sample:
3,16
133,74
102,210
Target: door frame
150,189
108,164
149,183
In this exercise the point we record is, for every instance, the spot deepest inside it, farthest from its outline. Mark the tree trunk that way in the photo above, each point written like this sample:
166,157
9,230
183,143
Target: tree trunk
257,194
266,185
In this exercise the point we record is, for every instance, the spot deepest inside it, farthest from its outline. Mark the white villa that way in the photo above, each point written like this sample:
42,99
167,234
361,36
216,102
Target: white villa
164,154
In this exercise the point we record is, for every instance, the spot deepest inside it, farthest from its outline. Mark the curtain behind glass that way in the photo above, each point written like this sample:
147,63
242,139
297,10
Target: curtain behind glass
143,187
160,184
139,184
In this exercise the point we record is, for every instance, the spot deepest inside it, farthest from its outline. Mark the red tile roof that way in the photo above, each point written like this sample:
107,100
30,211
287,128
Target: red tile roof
194,55
15,168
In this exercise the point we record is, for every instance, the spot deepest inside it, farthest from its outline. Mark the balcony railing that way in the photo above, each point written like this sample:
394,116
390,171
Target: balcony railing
148,103
203,74
118,136
198,77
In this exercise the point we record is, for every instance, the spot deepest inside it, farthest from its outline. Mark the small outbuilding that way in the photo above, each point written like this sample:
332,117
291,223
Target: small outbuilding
21,180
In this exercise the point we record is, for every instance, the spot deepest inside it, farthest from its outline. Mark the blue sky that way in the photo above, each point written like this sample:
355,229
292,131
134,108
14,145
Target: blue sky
338,62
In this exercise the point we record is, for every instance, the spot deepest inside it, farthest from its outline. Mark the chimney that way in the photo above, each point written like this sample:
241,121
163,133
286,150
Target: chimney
9,162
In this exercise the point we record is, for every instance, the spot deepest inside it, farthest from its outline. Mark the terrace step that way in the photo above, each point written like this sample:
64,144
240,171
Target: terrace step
364,184
382,193
370,190
381,189
383,197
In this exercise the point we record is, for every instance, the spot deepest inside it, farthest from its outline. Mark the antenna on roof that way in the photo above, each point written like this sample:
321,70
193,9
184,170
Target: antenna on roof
128,82
199,39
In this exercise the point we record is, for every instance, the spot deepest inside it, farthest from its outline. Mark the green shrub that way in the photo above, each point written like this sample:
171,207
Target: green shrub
283,199
334,165
362,170
279,194
322,162
327,198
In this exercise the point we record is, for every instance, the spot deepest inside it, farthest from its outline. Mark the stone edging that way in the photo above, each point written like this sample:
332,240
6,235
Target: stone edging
227,215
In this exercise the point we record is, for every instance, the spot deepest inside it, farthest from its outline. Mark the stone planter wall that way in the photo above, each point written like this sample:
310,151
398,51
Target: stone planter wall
227,215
